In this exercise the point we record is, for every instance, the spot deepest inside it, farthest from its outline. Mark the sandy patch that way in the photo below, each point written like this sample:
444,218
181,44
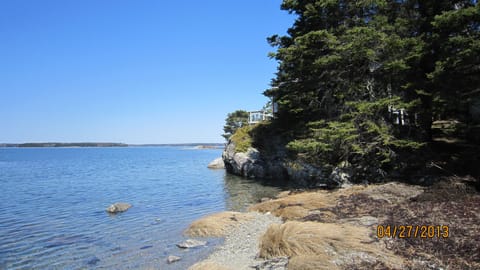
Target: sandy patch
207,265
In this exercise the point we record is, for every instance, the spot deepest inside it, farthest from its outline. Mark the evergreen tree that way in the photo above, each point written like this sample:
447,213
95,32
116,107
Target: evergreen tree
345,64
234,121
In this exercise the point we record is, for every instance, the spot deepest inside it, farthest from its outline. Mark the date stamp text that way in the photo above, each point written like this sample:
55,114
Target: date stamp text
413,231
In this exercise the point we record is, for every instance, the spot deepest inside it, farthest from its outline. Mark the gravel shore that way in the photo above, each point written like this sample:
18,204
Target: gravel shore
240,249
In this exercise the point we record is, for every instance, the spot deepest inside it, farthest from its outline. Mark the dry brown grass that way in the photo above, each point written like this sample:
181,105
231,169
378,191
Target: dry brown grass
334,244
207,265
298,206
283,194
216,225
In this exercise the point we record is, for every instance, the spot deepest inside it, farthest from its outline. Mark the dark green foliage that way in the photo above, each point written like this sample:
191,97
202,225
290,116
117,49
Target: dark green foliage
234,121
242,138
343,64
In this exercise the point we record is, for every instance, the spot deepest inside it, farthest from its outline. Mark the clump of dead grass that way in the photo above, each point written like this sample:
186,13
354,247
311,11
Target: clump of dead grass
217,225
331,244
298,205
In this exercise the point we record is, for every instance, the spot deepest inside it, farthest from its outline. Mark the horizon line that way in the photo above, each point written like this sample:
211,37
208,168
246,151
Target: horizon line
119,143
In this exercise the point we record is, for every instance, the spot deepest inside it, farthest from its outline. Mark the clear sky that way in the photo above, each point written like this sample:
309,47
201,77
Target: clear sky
136,71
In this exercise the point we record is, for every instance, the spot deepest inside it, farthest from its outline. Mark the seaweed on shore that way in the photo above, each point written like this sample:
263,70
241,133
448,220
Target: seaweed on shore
351,206
451,201
366,265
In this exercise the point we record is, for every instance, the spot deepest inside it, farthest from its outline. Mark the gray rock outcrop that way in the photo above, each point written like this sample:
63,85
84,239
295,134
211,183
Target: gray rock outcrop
341,176
118,207
216,164
247,164
277,167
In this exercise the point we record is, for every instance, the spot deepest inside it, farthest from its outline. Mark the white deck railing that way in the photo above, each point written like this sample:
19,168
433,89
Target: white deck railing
255,117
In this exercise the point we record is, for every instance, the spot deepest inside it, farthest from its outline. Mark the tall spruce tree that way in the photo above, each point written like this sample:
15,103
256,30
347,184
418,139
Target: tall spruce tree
344,64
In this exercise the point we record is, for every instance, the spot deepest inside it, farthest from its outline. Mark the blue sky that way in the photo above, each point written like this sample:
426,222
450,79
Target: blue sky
132,71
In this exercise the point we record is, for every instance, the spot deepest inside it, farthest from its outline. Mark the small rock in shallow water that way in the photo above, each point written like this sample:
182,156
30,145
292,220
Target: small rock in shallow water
93,261
191,243
118,207
172,259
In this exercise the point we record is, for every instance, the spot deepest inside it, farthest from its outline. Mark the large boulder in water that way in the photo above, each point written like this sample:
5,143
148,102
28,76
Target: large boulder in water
216,164
118,207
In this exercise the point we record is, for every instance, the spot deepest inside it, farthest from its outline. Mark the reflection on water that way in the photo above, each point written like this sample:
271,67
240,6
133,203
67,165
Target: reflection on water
241,192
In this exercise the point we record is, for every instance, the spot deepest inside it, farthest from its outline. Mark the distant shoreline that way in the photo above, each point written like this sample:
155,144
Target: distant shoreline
196,145
108,144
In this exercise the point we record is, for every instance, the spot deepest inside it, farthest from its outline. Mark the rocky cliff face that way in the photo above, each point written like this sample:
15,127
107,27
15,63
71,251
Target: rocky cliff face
279,169
247,164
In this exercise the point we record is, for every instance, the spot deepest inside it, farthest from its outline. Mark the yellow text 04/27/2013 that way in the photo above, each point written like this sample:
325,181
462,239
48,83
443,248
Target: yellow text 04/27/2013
413,231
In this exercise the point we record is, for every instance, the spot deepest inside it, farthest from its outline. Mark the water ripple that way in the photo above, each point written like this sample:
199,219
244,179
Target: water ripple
52,214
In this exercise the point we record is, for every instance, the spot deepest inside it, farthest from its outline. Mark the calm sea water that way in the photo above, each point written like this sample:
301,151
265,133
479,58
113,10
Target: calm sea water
53,200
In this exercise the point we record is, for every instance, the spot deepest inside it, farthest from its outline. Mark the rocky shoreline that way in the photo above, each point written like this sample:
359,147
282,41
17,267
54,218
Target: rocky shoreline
277,167
320,229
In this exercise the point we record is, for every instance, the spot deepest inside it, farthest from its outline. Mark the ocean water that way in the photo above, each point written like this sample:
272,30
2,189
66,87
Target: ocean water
53,201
